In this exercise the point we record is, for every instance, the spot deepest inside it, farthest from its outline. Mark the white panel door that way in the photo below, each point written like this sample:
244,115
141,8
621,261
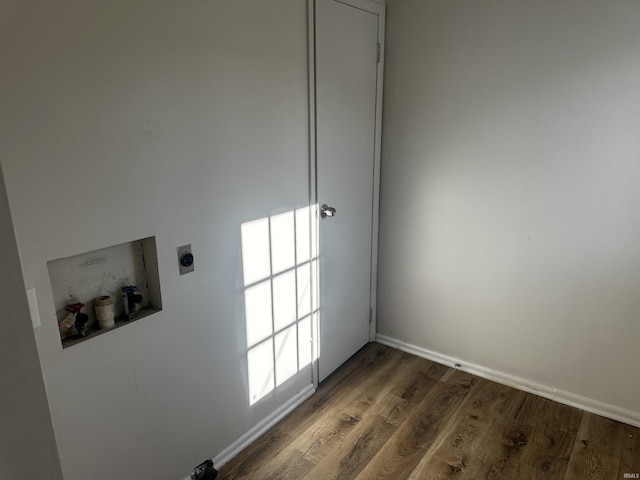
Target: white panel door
346,94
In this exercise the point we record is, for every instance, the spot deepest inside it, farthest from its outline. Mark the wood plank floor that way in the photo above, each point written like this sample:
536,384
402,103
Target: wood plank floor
386,414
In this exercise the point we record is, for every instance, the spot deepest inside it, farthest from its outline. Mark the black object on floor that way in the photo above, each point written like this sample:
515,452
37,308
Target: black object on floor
205,471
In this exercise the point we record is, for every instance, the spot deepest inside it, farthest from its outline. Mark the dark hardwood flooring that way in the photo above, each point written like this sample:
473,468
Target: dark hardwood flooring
386,414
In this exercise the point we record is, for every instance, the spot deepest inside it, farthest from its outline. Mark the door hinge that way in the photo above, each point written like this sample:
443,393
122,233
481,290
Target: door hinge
370,315
379,53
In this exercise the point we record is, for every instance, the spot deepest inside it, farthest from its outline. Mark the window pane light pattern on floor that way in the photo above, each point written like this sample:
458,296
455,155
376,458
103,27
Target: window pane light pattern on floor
277,267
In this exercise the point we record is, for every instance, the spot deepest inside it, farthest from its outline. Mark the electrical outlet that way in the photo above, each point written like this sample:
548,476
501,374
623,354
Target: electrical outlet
185,259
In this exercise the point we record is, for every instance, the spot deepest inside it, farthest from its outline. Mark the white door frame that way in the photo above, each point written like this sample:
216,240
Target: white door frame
379,10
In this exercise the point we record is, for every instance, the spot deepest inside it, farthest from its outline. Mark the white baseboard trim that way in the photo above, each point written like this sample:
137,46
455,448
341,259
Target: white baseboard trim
260,428
574,400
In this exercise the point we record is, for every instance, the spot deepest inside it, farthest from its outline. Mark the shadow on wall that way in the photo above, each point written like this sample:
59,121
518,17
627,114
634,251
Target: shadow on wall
277,268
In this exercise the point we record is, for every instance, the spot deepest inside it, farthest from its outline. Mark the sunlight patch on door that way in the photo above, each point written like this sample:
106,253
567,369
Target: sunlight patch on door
277,267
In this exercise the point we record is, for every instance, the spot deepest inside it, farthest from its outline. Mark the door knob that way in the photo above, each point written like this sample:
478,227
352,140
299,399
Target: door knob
327,211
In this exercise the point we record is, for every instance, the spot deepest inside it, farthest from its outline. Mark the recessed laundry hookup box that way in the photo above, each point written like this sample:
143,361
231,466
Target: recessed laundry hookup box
124,278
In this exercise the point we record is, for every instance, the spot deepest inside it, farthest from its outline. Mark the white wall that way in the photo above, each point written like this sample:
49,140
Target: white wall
27,443
127,119
511,187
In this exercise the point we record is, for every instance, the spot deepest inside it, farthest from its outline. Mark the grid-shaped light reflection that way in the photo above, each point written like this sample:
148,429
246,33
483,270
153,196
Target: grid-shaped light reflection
283,242
261,371
286,354
256,256
257,299
284,299
277,268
